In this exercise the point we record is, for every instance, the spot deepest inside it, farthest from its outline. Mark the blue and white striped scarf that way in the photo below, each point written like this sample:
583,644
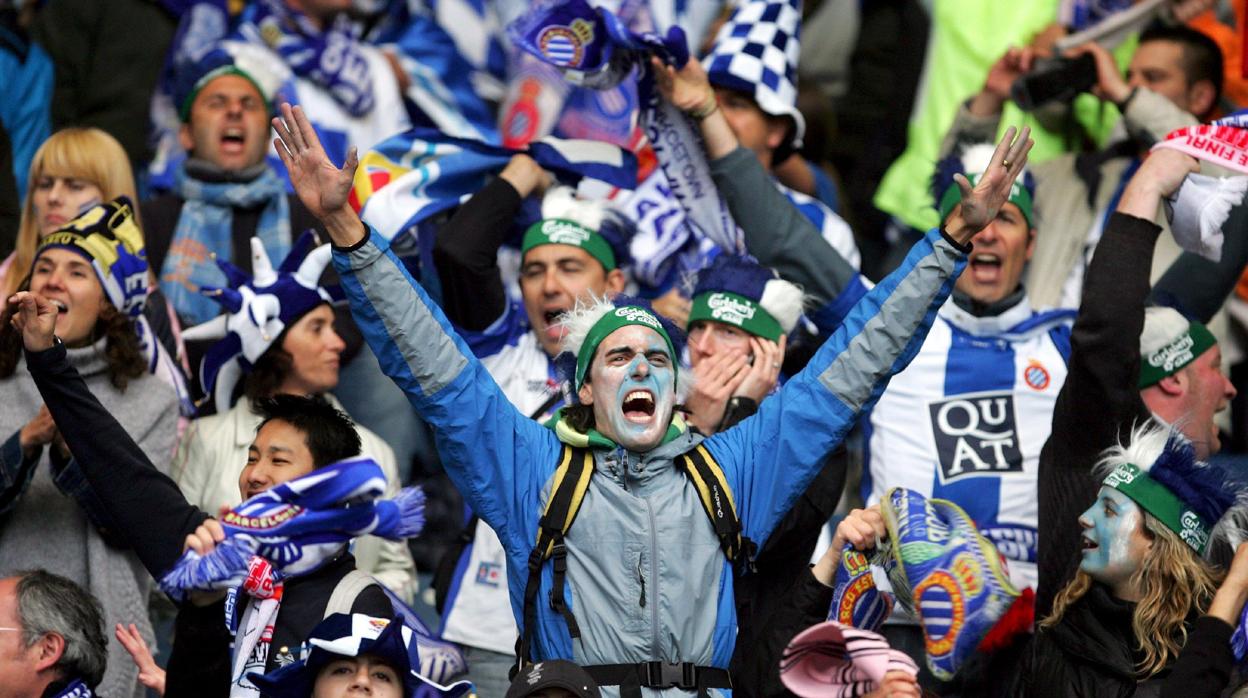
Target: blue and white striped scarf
329,57
205,229
299,525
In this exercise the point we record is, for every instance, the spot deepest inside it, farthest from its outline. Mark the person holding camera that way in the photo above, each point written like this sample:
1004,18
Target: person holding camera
1174,80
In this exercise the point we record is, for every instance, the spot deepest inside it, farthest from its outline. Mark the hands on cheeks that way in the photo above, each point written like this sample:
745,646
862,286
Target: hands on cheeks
761,377
715,380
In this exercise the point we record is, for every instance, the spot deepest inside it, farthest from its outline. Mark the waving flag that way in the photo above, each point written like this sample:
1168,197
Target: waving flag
421,172
441,85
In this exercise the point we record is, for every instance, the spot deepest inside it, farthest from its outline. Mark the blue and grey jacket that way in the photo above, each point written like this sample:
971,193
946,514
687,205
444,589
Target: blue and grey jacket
646,578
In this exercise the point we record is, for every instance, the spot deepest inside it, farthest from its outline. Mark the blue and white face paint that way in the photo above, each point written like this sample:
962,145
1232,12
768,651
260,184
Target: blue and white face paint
1114,542
632,387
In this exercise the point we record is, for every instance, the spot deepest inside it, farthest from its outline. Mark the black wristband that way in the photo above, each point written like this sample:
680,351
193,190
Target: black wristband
960,247
355,245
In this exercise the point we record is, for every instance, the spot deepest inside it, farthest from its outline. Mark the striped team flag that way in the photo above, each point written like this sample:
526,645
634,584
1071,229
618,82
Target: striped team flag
412,176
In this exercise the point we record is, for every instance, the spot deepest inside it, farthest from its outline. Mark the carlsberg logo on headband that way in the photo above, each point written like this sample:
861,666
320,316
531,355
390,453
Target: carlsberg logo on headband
725,308
638,316
560,231
737,310
1182,351
1158,500
565,233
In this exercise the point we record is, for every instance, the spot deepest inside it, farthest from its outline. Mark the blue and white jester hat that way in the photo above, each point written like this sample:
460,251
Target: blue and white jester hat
353,635
259,309
756,52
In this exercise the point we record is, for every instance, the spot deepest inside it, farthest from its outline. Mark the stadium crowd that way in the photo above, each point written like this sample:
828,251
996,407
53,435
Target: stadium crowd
591,348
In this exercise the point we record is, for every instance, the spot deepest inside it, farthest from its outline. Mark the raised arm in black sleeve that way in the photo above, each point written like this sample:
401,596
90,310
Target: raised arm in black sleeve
466,256
146,506
1100,395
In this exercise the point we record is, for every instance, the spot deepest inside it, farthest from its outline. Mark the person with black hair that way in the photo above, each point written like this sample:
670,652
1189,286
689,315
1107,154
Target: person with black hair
145,508
1174,80
52,640
298,355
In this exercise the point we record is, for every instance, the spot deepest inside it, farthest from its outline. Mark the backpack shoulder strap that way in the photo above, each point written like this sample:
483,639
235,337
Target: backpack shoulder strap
716,497
567,492
349,587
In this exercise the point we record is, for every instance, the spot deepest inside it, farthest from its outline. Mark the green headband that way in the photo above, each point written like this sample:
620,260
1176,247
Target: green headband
560,231
1167,360
184,110
1156,499
622,316
734,309
1019,196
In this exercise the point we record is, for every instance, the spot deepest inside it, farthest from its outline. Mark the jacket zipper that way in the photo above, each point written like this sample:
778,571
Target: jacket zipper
654,585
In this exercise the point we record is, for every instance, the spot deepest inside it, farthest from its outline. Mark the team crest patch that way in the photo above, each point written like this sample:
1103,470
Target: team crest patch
1036,375
565,46
943,607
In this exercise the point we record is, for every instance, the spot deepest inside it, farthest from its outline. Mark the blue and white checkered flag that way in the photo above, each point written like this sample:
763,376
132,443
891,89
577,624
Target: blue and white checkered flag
756,52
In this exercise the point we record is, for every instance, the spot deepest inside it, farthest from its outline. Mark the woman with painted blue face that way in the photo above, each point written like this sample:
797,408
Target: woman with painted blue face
1149,612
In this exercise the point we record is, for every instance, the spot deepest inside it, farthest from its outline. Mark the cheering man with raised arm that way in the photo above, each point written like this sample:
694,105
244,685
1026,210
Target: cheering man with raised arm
650,602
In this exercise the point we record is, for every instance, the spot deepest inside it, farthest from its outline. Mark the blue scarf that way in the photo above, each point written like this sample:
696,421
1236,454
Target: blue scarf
204,230
329,58
300,525
74,689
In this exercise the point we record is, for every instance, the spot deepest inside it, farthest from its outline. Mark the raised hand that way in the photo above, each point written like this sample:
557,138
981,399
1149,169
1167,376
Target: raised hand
981,202
321,186
35,318
1161,174
688,89
1229,600
150,674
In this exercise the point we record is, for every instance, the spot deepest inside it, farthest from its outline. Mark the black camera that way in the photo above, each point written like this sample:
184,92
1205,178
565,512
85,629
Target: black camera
1054,80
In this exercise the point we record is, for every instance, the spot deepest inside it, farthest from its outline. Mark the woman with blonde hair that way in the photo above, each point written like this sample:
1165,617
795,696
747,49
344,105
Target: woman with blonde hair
1148,588
73,170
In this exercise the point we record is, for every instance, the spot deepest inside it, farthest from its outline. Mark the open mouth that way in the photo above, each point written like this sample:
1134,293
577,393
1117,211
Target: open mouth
554,322
61,308
638,406
233,139
1087,545
985,266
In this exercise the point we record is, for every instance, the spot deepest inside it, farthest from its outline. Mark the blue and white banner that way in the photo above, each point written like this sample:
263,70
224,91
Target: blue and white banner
419,173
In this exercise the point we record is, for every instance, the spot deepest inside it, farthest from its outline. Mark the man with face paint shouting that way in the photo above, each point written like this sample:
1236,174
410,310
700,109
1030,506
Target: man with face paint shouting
650,602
